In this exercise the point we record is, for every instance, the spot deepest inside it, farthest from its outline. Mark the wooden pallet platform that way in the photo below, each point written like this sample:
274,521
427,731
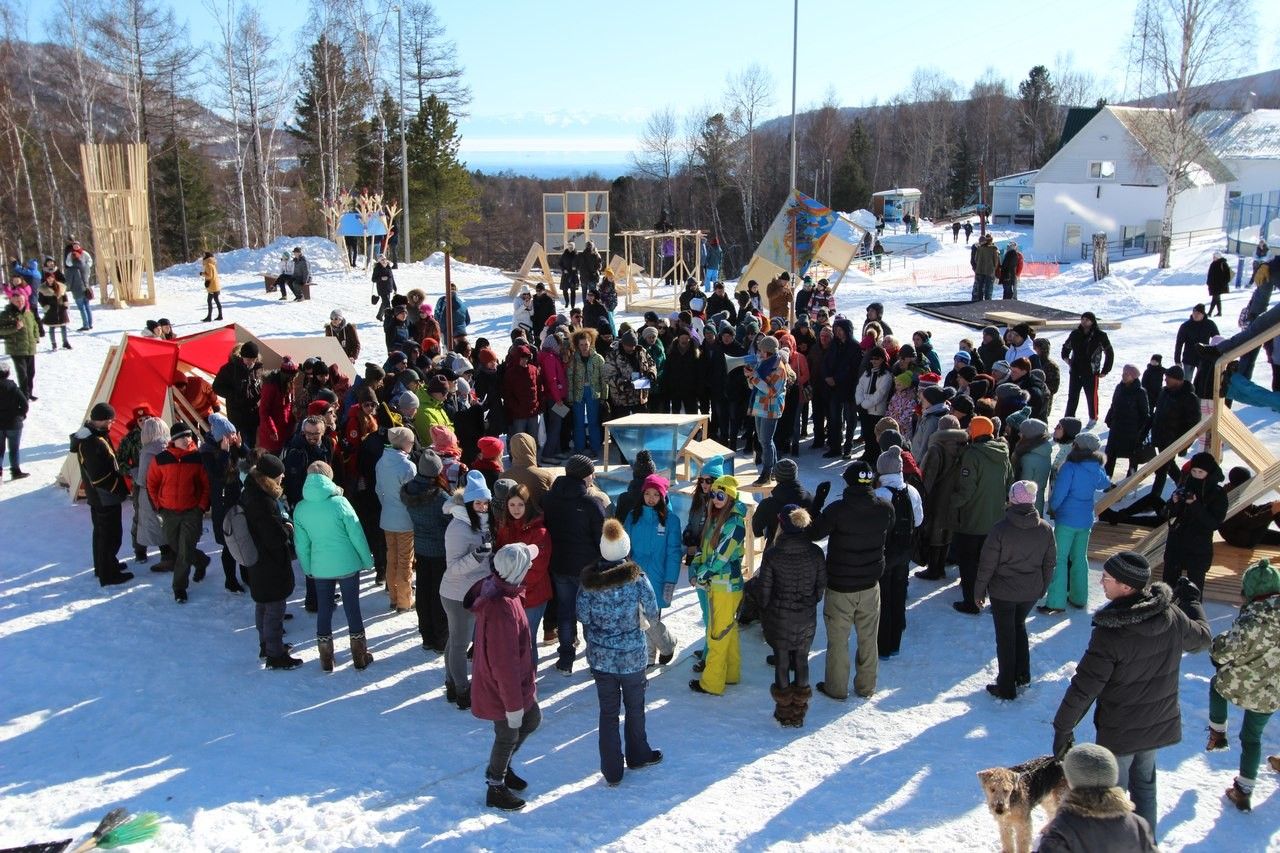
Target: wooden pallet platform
1221,584
1004,312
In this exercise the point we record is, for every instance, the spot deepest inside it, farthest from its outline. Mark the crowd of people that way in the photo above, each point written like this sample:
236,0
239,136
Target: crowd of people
427,471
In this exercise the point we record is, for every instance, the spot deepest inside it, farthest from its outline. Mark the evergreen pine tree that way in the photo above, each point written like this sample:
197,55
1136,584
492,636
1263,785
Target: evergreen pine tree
850,189
184,194
1038,115
442,195
329,109
961,183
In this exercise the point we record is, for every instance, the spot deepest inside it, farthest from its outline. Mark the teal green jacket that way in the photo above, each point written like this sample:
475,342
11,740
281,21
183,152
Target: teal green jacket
327,533
723,560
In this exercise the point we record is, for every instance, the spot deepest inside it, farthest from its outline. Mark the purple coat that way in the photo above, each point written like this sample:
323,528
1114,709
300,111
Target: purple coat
502,670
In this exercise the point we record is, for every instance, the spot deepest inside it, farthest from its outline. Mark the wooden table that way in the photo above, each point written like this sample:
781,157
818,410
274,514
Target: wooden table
645,419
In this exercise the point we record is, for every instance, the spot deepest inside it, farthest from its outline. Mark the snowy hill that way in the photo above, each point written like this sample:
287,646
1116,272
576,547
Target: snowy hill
119,697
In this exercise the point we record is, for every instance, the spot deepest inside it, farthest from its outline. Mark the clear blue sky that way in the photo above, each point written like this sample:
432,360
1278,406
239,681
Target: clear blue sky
545,78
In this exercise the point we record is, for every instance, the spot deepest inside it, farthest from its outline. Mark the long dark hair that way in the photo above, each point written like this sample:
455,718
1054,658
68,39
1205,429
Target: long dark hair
660,509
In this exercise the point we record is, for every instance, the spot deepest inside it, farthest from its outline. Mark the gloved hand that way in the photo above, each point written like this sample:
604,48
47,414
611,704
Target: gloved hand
702,581
820,496
1184,591
482,552
515,718
668,593
1062,742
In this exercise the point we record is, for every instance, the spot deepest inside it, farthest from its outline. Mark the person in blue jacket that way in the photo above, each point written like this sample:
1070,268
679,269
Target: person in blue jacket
656,546
461,317
1071,507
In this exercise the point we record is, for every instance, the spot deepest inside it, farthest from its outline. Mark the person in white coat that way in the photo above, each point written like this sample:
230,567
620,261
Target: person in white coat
394,469
522,311
468,558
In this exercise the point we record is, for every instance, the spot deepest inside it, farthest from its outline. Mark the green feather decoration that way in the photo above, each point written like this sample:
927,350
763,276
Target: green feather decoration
141,827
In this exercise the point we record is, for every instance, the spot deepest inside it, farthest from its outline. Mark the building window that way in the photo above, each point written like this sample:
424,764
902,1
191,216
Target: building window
1026,201
1102,169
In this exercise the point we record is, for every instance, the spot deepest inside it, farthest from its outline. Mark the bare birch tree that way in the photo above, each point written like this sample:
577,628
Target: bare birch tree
659,150
1178,45
749,94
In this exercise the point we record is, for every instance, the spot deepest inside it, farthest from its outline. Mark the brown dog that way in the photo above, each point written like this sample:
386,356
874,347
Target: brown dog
1012,792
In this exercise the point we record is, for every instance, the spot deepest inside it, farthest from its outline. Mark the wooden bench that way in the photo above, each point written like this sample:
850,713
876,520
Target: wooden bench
702,450
269,285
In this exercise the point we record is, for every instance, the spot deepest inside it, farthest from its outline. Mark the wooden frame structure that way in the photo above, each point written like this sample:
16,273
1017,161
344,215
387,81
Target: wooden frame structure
115,183
654,277
536,268
1221,424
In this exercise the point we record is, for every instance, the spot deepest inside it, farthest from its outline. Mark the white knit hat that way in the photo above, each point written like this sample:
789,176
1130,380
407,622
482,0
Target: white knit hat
512,562
615,544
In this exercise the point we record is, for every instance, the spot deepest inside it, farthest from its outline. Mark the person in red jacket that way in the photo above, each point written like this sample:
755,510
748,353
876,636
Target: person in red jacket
178,486
276,419
523,524
503,678
554,391
520,397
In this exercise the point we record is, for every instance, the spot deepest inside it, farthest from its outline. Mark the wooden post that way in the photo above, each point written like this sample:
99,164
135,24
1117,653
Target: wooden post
448,302
1101,263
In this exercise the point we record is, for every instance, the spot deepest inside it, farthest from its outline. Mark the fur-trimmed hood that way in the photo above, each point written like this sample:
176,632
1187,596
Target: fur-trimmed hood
605,575
1136,609
1079,454
1097,803
272,488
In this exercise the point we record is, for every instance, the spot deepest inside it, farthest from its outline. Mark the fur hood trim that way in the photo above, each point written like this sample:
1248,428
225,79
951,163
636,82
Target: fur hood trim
1098,803
1079,455
456,507
1136,608
596,578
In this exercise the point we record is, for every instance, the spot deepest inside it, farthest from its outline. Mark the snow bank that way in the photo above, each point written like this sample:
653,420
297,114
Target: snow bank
322,254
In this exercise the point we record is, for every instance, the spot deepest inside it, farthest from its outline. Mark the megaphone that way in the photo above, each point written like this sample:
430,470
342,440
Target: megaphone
733,362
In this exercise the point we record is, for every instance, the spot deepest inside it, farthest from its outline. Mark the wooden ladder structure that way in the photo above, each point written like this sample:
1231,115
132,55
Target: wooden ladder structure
1222,425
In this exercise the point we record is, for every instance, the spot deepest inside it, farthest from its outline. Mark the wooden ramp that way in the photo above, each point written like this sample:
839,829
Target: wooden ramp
1221,584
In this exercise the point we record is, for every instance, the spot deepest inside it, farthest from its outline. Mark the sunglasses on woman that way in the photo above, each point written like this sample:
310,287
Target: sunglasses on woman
720,495
706,480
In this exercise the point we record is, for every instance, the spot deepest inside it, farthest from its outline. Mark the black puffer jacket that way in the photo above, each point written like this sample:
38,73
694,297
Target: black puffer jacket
1176,412
1088,353
574,520
1131,670
792,578
857,525
1128,419
271,578
1018,557
1096,820
764,521
100,474
1192,523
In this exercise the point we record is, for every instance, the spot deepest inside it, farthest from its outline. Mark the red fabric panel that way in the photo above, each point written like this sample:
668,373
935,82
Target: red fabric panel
145,371
575,221
207,350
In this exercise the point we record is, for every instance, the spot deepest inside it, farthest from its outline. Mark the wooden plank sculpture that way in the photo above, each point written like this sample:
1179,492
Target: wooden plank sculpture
115,183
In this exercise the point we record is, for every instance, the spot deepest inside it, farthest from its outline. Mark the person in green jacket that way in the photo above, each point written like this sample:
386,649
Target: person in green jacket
717,568
587,390
431,410
21,332
333,550
979,500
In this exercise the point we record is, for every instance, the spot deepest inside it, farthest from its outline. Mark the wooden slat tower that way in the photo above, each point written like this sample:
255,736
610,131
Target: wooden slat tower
115,182
1221,425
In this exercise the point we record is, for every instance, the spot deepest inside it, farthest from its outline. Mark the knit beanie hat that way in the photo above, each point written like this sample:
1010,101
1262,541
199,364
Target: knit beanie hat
180,430
628,338
1070,428
767,345
1023,492
785,470
1033,428
512,562
713,468
438,385
1000,368
1129,568
579,467
615,544
890,462
642,466
1016,419
1260,579
858,473
476,489
102,412
962,404
935,394
890,438
269,465
794,519
1088,441
885,424
429,464
1090,766
657,482
444,442
490,447
962,357
948,422
980,426
220,427
502,490
727,484
406,401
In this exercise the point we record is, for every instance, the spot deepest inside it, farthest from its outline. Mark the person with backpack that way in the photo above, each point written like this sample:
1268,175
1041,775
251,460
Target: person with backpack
1014,569
222,452
899,545
978,499
270,565
858,525
1010,270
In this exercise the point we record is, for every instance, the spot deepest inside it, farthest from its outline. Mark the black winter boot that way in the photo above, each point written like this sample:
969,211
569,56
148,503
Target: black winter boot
500,797
514,782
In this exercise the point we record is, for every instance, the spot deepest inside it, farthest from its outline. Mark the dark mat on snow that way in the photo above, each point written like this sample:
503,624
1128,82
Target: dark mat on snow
988,313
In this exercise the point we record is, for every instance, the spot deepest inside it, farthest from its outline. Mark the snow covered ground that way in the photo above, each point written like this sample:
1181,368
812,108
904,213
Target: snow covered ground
119,697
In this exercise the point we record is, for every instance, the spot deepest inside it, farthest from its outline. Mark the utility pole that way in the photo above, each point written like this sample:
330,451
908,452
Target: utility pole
795,53
404,148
